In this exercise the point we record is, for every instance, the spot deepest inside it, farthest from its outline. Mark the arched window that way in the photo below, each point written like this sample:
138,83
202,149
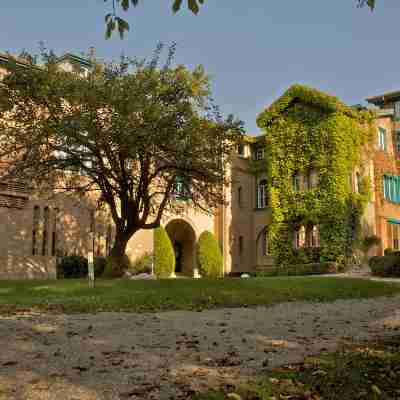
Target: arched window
35,230
262,194
54,233
46,221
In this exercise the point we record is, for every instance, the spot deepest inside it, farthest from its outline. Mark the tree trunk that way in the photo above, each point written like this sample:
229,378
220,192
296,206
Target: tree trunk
118,261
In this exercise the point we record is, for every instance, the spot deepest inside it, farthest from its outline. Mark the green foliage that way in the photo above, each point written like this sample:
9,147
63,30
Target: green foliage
116,266
386,266
142,265
209,256
164,255
75,267
309,130
302,269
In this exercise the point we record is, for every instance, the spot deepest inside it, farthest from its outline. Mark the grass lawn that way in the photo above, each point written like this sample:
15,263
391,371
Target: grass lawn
181,294
360,371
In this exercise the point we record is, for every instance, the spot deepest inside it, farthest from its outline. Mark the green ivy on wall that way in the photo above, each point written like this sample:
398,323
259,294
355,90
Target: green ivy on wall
307,130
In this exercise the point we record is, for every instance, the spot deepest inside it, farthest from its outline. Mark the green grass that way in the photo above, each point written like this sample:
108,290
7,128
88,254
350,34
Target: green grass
360,371
182,294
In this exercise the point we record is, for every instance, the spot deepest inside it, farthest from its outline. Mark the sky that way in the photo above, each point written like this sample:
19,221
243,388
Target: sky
252,50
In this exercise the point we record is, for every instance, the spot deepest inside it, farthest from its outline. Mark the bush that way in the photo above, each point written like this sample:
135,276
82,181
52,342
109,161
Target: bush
209,256
142,265
386,266
72,267
114,268
164,255
327,267
99,266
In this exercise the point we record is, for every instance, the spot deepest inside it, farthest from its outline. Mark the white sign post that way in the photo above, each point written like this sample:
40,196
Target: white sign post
91,269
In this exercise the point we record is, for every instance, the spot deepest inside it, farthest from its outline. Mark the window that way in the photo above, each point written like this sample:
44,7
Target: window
240,245
259,155
398,141
382,139
312,236
265,242
241,149
397,110
46,221
54,249
35,230
296,182
393,234
262,194
358,183
181,188
391,188
240,196
299,238
311,179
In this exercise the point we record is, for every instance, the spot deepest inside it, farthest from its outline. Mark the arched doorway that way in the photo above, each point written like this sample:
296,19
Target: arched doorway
183,240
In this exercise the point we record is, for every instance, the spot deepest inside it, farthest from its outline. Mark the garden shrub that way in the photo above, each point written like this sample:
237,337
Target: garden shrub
114,268
142,265
385,266
72,267
303,269
99,266
209,256
164,255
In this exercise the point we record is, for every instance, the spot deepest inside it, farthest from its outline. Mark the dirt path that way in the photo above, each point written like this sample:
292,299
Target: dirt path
168,355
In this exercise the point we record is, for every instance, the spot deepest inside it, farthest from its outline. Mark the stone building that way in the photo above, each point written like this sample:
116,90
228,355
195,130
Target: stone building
36,228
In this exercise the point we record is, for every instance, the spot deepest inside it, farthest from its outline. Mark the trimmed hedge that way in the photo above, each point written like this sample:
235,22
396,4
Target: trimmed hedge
209,256
386,266
164,255
303,269
76,267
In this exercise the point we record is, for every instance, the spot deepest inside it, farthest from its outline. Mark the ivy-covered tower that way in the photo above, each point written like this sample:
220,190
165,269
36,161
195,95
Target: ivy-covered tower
318,184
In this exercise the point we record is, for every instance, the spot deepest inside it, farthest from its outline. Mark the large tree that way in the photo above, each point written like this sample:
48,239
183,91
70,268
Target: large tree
138,135
114,21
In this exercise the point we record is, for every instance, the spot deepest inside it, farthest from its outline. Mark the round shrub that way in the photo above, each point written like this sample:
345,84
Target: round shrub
164,255
209,256
72,267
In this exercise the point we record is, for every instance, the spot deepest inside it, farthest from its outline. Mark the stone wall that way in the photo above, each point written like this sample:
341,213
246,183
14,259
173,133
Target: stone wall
27,267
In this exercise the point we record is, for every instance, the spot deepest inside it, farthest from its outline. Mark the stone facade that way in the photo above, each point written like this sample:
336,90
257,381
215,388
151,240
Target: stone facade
35,229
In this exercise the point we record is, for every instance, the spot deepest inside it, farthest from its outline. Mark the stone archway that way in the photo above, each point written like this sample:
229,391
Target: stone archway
183,238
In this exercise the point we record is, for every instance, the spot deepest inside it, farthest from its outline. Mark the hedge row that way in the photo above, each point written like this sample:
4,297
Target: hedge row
302,269
75,267
386,266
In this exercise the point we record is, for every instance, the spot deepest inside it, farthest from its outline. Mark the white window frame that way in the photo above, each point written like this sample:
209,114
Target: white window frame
262,201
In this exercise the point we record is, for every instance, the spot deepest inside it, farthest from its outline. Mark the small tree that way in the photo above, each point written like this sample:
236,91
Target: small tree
164,255
126,132
209,256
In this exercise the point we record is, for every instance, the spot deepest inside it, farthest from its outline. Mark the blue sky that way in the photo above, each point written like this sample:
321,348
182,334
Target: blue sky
252,52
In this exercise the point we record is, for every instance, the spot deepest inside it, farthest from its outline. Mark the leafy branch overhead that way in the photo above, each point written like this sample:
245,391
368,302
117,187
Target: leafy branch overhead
114,22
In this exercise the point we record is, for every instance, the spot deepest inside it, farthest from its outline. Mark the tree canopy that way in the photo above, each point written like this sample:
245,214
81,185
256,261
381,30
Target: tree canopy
127,131
115,22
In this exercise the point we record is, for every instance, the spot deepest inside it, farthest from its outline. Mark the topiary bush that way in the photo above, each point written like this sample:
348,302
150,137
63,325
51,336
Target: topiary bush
164,255
385,266
209,256
72,267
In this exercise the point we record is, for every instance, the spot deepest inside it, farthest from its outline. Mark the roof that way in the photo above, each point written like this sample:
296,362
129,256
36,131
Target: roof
75,59
306,95
383,98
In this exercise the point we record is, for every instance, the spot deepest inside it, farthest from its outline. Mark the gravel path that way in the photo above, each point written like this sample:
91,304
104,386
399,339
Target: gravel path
168,355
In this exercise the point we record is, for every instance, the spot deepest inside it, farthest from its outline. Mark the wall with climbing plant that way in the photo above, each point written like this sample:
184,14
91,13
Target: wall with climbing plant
307,130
